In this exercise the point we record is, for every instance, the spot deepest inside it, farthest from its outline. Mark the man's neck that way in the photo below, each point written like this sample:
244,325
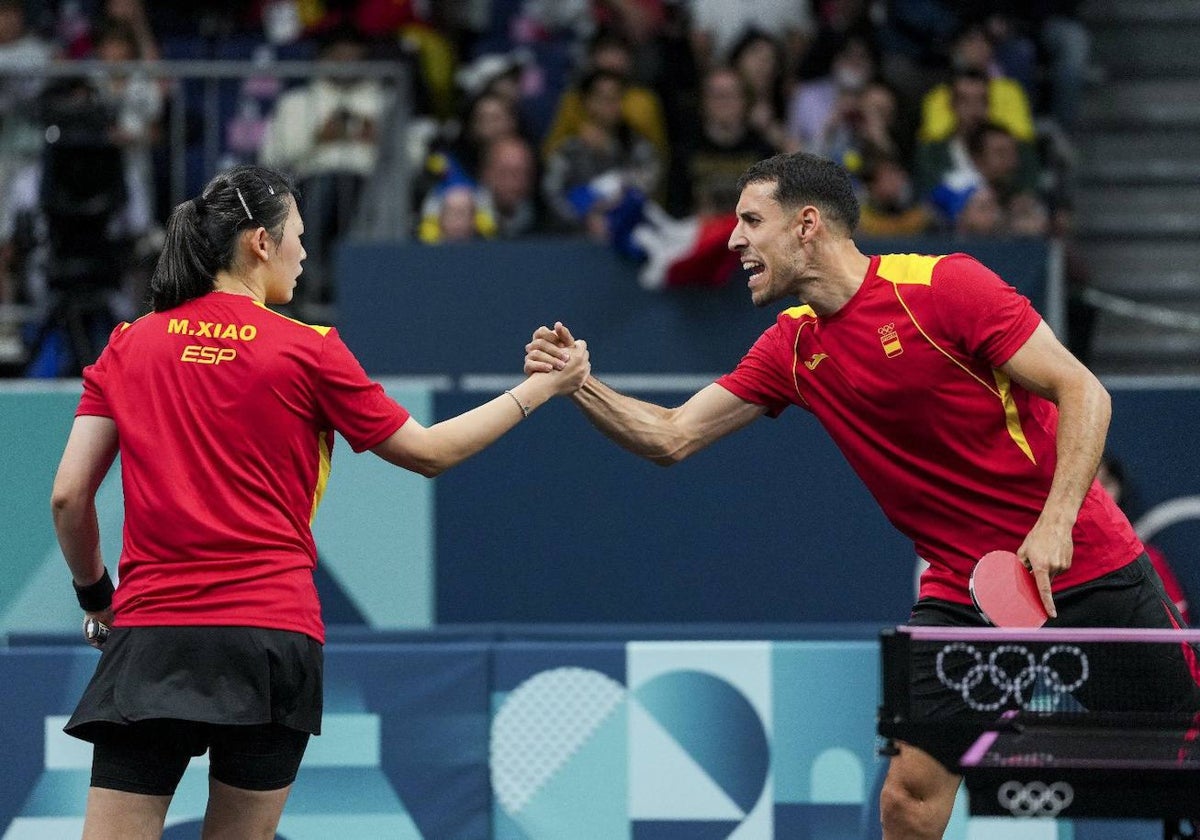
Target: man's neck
838,273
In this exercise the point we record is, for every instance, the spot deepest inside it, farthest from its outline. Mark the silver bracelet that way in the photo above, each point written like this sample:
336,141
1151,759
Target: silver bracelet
525,410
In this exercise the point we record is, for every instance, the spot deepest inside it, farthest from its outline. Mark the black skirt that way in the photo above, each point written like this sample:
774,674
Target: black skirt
222,675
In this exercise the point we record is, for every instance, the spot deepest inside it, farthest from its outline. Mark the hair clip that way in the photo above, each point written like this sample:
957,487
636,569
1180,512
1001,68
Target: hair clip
245,206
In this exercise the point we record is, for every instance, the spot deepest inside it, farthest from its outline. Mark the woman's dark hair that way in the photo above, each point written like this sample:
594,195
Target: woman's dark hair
203,233
778,92
802,178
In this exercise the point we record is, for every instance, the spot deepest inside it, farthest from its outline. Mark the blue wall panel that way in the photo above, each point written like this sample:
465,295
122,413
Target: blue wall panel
409,308
557,524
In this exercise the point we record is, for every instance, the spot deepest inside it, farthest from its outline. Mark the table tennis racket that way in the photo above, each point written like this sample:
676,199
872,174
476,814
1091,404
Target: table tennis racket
1005,593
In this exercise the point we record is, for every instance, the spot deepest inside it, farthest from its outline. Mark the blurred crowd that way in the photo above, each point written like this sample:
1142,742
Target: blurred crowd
624,121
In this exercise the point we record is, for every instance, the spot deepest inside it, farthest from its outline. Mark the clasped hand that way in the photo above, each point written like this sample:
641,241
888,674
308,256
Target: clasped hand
556,351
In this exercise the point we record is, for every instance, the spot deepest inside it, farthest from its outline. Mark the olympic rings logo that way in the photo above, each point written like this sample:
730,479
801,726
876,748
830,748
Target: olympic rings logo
1035,799
1011,672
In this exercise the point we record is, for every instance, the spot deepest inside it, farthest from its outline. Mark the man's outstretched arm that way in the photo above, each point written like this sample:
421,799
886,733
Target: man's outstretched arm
662,435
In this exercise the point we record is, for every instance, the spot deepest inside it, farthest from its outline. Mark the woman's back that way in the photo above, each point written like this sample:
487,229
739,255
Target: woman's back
225,412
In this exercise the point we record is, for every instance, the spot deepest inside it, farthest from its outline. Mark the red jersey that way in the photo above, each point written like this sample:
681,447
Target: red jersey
225,412
906,379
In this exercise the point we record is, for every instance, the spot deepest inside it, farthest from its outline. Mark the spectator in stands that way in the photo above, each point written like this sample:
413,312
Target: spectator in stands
642,24
460,146
980,215
837,22
999,161
863,125
456,212
498,73
839,136
137,103
1006,163
602,168
814,102
938,161
455,155
513,76
1113,478
1063,45
759,58
912,40
326,133
889,205
509,175
716,148
413,25
1014,50
1007,104
22,53
883,126
640,105
718,25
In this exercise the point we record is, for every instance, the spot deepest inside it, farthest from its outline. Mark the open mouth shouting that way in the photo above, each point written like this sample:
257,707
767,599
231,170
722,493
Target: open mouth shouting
755,269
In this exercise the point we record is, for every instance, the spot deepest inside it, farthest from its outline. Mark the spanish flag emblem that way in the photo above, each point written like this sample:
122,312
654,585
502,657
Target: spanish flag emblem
890,340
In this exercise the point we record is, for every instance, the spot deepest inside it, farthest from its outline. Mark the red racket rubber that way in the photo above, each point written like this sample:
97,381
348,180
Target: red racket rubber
1005,592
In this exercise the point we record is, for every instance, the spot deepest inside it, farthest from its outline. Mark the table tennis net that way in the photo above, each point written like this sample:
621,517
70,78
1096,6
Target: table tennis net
1090,677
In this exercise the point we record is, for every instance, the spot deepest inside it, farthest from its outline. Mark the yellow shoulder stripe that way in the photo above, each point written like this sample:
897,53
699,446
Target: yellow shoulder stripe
318,328
798,312
907,269
127,324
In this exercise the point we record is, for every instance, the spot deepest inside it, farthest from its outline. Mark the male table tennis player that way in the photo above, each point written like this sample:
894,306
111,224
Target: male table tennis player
968,421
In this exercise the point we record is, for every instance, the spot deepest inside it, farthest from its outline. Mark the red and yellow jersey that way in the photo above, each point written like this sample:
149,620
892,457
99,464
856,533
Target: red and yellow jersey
906,378
225,414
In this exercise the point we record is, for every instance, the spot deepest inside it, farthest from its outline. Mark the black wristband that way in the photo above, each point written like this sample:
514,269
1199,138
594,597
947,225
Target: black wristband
95,597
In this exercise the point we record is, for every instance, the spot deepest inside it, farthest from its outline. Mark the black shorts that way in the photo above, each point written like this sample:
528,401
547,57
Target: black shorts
945,689
160,695
150,756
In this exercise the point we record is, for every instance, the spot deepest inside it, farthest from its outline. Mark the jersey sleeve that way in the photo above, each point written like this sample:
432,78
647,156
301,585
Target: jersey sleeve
95,377
357,407
986,317
764,375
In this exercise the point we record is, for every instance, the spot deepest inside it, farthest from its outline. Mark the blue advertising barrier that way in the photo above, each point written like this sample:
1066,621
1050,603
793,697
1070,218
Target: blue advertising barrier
512,733
662,740
403,753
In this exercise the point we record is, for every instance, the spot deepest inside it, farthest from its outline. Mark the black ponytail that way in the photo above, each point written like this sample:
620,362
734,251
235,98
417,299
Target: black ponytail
203,233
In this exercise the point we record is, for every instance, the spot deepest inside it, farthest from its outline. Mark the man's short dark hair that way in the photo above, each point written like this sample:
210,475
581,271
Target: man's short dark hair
802,178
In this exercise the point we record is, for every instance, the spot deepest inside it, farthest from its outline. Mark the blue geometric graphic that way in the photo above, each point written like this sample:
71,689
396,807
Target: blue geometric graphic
717,726
559,758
